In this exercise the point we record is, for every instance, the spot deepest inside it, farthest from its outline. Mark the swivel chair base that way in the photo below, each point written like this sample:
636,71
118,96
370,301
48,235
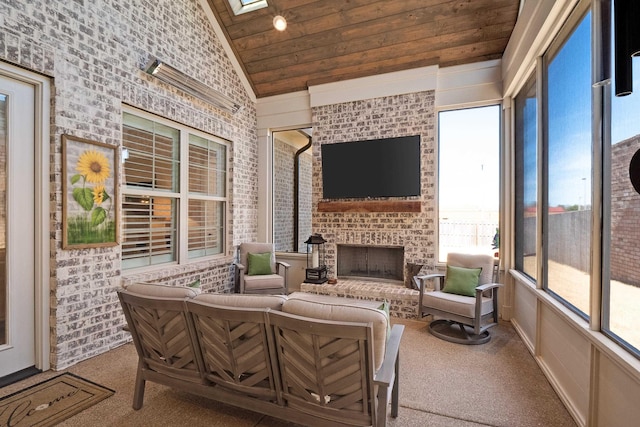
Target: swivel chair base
456,332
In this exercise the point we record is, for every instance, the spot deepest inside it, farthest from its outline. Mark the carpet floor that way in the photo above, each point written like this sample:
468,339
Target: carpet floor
441,384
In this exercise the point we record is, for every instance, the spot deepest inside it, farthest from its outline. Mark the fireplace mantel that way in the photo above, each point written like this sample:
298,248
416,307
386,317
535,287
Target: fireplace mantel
370,206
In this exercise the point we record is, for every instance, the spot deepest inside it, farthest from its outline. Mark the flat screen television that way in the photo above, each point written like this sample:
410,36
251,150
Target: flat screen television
388,167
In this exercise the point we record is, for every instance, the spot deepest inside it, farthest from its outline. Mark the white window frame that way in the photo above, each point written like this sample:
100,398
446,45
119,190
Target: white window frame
439,189
239,7
181,244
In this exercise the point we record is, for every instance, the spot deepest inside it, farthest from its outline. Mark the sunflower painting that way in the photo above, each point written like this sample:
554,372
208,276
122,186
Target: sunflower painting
89,187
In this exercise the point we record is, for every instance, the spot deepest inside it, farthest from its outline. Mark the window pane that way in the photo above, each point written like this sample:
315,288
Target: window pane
207,167
153,154
526,137
149,230
568,215
206,227
469,180
151,171
623,297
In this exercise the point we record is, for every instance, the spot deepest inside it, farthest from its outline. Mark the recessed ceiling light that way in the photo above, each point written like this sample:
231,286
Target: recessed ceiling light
279,23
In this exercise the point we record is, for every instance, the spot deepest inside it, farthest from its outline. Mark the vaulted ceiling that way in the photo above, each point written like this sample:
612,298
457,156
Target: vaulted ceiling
333,40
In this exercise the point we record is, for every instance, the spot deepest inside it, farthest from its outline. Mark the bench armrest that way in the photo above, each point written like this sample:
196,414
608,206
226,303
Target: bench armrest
389,375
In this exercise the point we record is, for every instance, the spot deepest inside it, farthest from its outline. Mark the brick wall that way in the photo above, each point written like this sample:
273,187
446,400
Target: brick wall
283,195
93,51
387,117
625,211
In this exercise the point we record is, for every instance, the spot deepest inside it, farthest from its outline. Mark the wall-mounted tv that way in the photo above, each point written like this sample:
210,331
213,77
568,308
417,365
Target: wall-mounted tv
388,167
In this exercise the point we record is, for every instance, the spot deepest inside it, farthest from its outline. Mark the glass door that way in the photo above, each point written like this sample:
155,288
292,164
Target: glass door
17,186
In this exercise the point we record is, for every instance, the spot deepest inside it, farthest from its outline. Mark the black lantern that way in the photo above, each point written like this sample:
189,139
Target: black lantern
316,271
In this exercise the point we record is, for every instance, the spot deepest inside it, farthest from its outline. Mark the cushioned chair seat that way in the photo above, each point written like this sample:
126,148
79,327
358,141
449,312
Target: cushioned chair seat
260,278
466,287
345,313
263,281
163,291
273,302
456,304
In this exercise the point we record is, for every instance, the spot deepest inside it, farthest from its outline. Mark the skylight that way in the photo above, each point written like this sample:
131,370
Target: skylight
243,6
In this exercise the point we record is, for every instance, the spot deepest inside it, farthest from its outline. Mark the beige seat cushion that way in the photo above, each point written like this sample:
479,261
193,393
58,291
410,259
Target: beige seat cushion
456,304
263,281
334,300
274,302
163,291
345,313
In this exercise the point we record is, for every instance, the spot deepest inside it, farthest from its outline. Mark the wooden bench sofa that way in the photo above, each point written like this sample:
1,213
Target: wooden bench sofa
312,362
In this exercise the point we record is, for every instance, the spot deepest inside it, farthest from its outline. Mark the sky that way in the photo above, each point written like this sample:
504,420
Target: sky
469,164
569,123
569,126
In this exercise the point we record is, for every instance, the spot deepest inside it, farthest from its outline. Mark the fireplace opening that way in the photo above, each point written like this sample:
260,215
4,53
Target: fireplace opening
371,262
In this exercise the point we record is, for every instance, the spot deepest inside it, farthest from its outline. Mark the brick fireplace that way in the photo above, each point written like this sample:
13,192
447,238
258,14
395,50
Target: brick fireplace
370,262
380,222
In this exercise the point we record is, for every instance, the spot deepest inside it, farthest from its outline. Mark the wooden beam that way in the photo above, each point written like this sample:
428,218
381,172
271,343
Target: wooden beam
371,206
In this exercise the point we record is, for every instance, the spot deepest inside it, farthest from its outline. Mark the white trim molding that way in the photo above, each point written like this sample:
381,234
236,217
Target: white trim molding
396,83
42,138
469,85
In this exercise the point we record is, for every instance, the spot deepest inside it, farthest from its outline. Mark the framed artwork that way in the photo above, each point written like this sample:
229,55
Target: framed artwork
89,188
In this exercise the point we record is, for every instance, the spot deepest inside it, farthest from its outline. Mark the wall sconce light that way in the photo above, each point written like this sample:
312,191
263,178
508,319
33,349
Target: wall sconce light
279,23
189,85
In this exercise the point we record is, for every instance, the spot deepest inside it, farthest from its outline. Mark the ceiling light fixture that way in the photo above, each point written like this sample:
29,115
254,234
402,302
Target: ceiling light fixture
189,85
279,23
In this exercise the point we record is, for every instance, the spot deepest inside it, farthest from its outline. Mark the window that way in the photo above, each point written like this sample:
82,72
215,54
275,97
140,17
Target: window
169,216
468,180
207,190
243,6
567,172
567,213
526,179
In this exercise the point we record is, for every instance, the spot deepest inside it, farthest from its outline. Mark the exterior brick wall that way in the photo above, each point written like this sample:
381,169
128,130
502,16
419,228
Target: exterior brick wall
625,211
387,117
94,52
282,195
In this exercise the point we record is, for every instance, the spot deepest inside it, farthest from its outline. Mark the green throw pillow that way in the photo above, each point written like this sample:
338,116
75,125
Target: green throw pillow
386,308
462,281
259,264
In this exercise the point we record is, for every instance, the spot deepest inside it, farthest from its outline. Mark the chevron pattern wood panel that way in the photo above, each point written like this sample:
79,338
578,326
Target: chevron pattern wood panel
324,366
235,350
162,334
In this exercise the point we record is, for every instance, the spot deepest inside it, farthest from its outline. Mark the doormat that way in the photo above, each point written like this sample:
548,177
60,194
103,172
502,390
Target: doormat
51,401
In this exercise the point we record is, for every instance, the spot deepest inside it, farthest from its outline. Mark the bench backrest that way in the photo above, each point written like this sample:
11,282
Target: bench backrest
235,347
326,367
160,331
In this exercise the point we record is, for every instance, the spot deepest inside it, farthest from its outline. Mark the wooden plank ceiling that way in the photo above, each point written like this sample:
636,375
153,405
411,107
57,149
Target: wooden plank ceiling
333,40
